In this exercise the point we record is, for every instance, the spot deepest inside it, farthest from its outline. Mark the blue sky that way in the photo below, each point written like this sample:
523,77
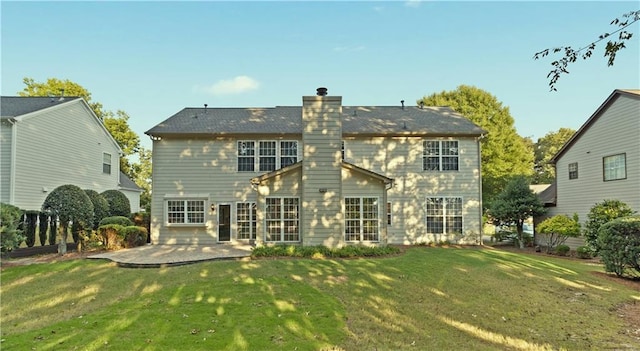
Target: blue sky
151,59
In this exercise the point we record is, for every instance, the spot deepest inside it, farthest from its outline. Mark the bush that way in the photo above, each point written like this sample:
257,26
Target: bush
53,230
134,236
619,246
600,214
558,228
118,203
31,219
112,236
562,250
69,203
583,252
323,251
142,219
100,206
123,221
10,236
42,228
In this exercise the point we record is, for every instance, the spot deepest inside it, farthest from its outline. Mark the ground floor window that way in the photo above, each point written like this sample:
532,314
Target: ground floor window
444,215
361,219
282,219
185,211
246,218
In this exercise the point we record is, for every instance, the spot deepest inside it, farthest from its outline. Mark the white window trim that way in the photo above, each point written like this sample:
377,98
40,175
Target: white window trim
110,163
185,198
361,219
444,214
257,156
440,155
604,169
253,209
282,219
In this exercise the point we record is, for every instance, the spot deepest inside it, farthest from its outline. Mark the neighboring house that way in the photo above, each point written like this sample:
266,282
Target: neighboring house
46,142
320,174
601,161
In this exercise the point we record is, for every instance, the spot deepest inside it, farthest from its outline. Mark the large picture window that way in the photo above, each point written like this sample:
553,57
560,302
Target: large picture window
444,215
282,219
361,219
440,155
246,218
615,167
185,211
266,155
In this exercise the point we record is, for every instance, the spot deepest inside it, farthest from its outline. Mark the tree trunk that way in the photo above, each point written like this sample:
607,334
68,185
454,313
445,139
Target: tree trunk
62,245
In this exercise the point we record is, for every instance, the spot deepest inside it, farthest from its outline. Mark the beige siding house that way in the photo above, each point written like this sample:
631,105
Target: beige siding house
317,174
601,161
47,142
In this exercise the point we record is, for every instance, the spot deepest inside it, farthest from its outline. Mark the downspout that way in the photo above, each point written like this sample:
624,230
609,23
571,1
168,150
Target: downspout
480,183
12,161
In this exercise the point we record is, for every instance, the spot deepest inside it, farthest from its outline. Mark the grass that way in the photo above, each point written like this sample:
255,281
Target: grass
425,299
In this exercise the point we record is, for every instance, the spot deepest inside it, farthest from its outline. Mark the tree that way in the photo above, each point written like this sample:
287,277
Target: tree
127,139
70,204
515,204
119,204
558,229
600,214
571,55
544,150
57,87
142,171
504,153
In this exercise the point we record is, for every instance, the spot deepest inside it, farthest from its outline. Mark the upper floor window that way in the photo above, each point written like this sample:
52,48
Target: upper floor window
614,167
266,156
440,155
573,170
185,211
106,163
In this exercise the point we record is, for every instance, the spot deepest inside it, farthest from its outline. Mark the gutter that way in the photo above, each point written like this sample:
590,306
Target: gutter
12,160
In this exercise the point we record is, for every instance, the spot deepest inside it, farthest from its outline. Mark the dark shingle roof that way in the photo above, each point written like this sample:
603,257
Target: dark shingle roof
14,106
372,120
127,183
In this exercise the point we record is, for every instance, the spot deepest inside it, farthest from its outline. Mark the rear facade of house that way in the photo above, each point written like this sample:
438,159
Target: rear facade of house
316,174
601,161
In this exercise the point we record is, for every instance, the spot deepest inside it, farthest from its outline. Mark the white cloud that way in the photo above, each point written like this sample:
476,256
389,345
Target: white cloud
236,85
412,3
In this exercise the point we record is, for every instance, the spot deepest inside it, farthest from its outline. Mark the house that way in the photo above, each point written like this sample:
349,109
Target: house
600,161
316,174
46,142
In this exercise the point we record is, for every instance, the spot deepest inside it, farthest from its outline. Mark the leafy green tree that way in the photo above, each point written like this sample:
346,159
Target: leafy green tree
57,87
544,150
558,229
142,171
515,204
571,55
118,126
119,204
600,214
70,204
504,153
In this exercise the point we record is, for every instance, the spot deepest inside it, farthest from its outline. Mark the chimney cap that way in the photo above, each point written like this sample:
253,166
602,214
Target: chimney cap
321,91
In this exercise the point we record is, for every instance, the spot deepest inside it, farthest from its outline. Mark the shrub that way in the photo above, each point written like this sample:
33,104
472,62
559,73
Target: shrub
112,236
619,246
134,236
100,206
69,203
10,236
583,252
142,219
600,214
31,217
53,230
42,227
118,203
323,251
558,228
121,220
562,250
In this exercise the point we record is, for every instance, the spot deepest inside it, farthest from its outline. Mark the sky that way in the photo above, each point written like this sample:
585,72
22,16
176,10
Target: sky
152,59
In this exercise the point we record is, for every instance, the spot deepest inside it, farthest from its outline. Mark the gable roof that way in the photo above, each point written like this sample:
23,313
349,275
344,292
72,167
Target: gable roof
14,106
128,184
356,120
633,93
259,179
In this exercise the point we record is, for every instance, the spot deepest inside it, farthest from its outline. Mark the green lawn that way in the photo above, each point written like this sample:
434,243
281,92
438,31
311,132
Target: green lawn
425,299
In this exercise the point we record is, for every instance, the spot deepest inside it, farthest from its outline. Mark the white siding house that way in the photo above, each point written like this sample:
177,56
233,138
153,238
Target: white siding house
601,161
47,142
317,174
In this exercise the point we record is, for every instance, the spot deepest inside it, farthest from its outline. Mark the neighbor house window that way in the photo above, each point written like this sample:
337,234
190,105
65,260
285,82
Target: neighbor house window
389,213
282,219
246,156
573,170
615,167
361,219
440,155
106,163
246,218
185,211
266,156
444,215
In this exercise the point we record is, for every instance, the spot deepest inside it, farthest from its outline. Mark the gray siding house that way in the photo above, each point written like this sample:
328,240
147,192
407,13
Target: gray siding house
601,161
316,174
46,142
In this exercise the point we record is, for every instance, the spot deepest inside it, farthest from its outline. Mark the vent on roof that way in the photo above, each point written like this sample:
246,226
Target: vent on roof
61,95
321,91
402,102
421,105
205,108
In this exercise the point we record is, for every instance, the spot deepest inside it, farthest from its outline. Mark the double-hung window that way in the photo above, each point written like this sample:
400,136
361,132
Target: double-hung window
440,155
614,167
246,218
188,211
361,219
246,156
106,163
288,153
444,215
573,170
282,219
266,155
